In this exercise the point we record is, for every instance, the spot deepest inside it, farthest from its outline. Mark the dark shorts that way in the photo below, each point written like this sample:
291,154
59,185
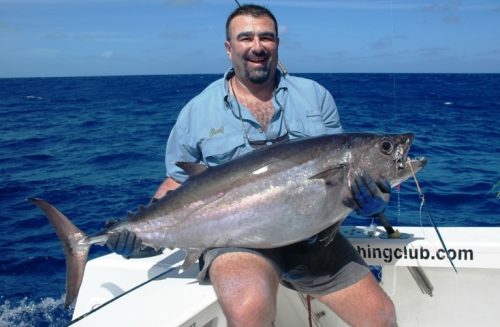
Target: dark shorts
304,267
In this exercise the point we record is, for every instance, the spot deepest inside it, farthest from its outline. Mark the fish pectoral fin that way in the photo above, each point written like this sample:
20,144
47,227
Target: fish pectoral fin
191,168
191,256
331,176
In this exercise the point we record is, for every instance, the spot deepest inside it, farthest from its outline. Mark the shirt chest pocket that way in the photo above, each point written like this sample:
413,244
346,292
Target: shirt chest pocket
221,149
310,124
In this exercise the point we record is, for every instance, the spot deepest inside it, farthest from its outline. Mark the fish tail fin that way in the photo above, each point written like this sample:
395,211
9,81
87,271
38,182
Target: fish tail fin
75,248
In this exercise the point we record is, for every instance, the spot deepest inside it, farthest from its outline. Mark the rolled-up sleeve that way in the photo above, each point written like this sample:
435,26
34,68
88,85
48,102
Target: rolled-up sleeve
329,112
181,146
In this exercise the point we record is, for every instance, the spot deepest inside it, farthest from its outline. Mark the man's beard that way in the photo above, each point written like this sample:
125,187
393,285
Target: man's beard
258,75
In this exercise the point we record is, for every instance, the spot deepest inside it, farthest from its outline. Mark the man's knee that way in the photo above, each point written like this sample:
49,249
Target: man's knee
362,304
251,310
246,286
385,314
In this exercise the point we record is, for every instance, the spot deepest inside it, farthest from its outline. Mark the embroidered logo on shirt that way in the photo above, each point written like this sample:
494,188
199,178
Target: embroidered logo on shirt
215,131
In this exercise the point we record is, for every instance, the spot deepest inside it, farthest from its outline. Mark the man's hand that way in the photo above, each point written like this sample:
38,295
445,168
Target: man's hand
127,244
124,242
370,198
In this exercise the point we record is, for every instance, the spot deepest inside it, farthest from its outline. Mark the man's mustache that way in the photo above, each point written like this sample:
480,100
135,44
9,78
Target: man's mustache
257,56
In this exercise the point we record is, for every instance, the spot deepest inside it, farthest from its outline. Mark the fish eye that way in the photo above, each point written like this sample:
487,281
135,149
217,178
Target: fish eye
386,147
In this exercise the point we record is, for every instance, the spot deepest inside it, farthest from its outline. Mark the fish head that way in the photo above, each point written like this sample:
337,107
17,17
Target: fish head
385,157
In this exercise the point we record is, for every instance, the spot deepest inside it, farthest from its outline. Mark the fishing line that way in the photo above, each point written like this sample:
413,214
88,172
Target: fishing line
394,96
398,205
85,315
422,202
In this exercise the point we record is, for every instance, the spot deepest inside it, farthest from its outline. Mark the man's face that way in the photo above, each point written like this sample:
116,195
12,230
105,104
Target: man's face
253,48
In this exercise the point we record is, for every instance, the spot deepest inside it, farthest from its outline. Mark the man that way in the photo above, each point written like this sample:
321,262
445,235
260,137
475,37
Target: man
253,105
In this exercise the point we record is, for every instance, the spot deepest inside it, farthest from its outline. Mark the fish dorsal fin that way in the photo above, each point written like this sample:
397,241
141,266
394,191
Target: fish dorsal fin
332,175
191,168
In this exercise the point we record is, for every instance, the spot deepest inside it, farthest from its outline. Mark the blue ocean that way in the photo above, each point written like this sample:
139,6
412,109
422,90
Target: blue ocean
94,147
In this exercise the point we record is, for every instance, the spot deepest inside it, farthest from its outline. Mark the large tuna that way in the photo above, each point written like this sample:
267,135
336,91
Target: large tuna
268,198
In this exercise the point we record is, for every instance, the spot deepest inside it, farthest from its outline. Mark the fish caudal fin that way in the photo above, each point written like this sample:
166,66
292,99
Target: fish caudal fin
75,250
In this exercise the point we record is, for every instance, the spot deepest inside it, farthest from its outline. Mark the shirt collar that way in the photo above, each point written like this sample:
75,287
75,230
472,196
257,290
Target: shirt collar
282,83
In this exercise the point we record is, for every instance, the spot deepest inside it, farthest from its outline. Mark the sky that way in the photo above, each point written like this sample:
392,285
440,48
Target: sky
45,38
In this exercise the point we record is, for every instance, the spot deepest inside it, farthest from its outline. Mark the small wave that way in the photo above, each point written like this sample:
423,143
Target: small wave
29,223
13,188
39,157
71,100
44,312
115,159
465,105
34,265
145,101
33,97
90,123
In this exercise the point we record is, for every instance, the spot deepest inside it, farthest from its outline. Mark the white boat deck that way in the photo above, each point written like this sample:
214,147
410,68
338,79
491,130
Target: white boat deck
469,298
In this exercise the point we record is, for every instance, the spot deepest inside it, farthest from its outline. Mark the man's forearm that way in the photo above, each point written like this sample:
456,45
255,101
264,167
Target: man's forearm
167,185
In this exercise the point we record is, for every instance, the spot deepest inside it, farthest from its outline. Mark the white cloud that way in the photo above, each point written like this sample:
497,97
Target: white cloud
108,54
282,30
386,42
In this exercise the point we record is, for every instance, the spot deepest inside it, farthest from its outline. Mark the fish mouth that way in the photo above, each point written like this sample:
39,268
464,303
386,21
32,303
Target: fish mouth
410,167
401,153
416,164
402,157
406,166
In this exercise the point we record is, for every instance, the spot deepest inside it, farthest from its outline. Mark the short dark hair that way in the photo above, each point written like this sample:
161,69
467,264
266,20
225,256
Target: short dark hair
250,10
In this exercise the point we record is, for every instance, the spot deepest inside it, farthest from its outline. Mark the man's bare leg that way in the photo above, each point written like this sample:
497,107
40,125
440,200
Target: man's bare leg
246,286
362,304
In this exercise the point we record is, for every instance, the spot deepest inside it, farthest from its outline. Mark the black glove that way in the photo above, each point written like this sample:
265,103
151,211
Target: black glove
127,244
370,198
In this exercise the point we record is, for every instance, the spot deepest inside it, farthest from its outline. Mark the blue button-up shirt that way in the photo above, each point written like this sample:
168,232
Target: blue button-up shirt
213,128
